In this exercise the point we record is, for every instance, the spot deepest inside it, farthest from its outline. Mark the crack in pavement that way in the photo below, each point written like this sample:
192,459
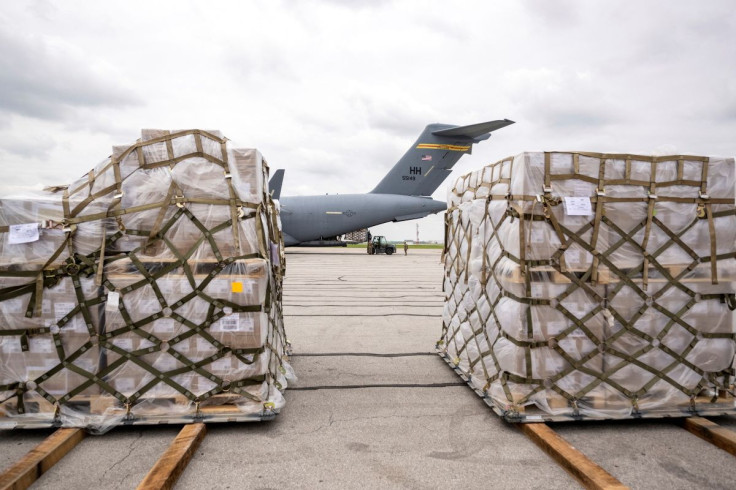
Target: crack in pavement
131,448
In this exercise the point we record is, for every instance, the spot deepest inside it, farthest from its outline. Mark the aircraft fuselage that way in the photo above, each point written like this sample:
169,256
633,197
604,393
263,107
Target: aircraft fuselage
307,218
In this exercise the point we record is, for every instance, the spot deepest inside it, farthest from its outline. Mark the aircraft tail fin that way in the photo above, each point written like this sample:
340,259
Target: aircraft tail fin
274,185
429,161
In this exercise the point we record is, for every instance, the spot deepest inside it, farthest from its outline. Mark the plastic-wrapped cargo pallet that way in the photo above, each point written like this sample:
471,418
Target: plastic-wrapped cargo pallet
583,285
149,291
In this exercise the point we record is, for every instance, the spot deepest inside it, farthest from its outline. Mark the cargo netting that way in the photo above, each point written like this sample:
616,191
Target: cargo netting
586,285
148,291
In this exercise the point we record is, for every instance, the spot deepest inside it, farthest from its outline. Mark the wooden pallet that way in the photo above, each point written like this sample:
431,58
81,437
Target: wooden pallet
40,413
725,404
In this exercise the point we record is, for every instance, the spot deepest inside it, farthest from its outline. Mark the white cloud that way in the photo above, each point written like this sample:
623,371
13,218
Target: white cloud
335,92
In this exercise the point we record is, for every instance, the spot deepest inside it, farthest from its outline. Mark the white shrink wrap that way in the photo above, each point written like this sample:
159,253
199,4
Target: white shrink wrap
588,285
147,291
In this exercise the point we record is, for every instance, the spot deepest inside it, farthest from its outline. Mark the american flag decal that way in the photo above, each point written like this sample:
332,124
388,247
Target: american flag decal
426,158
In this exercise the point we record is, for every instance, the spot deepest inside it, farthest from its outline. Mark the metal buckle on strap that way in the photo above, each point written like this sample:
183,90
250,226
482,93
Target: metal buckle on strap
600,192
228,175
703,195
119,195
179,201
651,196
547,190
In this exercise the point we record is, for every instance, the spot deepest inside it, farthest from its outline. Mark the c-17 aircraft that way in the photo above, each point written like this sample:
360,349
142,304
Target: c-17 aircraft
403,194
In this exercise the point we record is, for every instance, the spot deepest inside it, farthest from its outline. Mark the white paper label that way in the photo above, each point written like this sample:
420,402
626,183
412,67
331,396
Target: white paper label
219,286
12,306
23,233
125,385
76,325
165,363
63,309
113,301
166,286
577,334
248,325
149,306
203,345
165,325
578,206
41,345
230,323
10,345
42,365
275,259
224,364
125,344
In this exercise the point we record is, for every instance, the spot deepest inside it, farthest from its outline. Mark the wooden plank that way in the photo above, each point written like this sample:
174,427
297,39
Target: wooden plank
40,459
712,432
589,474
171,465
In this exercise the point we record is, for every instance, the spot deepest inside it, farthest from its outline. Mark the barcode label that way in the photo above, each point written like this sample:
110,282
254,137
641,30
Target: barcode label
230,323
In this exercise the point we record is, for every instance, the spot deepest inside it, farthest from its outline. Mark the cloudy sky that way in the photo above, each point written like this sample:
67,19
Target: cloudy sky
335,92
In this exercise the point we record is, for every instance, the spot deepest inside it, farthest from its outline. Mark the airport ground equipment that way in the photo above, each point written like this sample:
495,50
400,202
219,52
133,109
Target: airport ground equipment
379,245
146,292
593,286
403,194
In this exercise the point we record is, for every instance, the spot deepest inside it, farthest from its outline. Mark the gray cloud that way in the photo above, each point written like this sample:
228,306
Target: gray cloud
335,92
38,146
45,81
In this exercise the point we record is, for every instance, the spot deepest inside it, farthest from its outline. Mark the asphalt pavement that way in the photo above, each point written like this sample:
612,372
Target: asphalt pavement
374,407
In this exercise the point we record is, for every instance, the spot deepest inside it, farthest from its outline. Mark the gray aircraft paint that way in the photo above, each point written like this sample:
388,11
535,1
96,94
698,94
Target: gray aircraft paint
401,195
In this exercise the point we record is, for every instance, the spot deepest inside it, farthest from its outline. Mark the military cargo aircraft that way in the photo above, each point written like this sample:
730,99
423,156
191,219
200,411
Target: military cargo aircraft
403,194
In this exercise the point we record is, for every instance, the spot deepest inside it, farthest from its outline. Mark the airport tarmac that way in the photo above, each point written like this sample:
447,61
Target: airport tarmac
375,407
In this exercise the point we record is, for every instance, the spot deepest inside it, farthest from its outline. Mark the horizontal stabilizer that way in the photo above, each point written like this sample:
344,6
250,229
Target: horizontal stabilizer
473,131
274,185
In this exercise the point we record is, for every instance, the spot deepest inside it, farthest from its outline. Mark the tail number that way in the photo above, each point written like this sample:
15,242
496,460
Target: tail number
413,171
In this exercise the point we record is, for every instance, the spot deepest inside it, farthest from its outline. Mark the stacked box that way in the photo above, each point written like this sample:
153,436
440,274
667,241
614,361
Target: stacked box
146,290
593,285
